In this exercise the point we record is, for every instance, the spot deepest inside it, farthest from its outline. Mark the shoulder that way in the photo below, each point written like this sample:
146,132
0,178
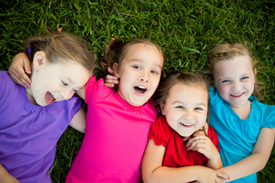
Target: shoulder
265,113
7,85
95,89
160,131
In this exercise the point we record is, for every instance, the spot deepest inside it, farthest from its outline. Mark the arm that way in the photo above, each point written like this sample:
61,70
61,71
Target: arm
17,72
5,177
257,160
153,171
79,121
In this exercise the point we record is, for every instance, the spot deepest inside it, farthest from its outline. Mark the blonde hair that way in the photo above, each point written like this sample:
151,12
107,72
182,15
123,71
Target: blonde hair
61,47
173,78
116,50
227,52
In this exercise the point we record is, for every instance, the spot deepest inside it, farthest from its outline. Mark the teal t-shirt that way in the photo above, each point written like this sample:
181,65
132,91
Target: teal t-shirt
237,137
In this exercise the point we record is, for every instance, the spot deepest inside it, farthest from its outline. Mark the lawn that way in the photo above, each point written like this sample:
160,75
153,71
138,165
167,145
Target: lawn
186,30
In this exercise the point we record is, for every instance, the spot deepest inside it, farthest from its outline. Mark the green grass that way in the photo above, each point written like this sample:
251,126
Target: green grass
186,30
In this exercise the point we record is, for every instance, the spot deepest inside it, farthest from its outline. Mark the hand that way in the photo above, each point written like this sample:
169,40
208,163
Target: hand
208,175
201,143
17,72
110,80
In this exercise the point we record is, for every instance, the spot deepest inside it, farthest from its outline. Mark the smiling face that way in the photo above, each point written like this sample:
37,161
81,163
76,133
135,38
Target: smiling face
52,82
139,73
186,108
235,80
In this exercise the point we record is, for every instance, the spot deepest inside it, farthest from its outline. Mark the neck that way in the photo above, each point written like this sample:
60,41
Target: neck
30,97
244,111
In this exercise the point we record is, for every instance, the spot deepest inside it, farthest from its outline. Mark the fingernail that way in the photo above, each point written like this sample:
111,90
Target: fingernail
228,178
191,145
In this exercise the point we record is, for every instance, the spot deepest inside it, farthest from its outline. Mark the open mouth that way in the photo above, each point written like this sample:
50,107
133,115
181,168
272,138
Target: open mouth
237,95
186,125
49,98
140,89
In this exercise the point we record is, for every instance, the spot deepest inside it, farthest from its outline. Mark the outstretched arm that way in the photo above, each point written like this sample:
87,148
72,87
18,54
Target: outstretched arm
5,177
153,171
257,160
19,67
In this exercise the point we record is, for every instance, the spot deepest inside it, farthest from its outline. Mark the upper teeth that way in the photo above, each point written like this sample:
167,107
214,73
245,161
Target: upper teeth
141,87
236,95
186,124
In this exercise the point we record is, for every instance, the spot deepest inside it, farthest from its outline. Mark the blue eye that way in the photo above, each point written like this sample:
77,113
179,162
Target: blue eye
244,78
225,81
65,84
154,72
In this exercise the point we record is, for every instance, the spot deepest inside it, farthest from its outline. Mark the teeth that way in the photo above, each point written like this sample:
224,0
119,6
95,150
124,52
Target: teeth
141,87
186,124
237,95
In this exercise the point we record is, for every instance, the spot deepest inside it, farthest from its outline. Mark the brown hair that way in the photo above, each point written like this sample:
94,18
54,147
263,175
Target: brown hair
116,50
61,47
175,77
227,52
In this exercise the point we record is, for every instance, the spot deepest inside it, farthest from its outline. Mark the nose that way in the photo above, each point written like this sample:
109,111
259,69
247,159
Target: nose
188,115
144,76
67,94
236,86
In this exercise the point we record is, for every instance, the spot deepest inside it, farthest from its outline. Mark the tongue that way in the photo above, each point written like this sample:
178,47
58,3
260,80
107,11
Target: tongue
49,97
139,90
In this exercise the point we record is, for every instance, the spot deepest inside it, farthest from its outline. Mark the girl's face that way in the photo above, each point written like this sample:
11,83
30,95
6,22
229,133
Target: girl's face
186,108
235,80
52,82
139,73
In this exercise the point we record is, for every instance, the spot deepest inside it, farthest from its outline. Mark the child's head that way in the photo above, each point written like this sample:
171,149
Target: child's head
61,64
138,64
182,97
233,73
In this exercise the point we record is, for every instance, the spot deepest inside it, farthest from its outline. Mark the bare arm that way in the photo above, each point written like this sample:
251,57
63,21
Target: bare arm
153,171
257,160
79,121
19,67
5,177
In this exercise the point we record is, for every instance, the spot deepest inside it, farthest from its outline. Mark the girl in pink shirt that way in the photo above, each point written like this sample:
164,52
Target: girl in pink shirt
118,121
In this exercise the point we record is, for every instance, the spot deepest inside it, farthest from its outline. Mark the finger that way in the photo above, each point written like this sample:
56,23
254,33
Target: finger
109,81
223,175
27,66
110,71
109,85
23,77
111,77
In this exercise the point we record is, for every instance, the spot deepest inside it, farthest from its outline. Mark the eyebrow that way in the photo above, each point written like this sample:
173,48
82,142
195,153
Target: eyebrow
177,101
139,60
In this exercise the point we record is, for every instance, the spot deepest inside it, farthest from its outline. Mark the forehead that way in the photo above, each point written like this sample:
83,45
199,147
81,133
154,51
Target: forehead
73,71
143,51
238,63
189,91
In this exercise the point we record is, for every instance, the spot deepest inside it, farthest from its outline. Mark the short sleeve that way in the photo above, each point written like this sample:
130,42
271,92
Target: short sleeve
160,132
269,117
213,137
95,89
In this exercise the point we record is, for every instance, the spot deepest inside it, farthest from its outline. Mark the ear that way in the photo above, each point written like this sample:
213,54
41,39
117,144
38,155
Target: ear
162,108
39,60
116,69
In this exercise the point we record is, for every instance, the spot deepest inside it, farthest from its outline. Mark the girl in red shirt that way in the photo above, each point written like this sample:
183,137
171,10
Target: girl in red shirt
174,153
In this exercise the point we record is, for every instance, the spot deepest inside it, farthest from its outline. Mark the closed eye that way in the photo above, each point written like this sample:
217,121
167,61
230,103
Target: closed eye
65,84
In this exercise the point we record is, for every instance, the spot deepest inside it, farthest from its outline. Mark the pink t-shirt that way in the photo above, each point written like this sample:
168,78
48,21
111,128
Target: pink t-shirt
115,138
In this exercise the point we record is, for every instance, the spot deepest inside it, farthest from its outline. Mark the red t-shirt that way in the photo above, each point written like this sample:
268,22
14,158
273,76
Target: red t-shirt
176,154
